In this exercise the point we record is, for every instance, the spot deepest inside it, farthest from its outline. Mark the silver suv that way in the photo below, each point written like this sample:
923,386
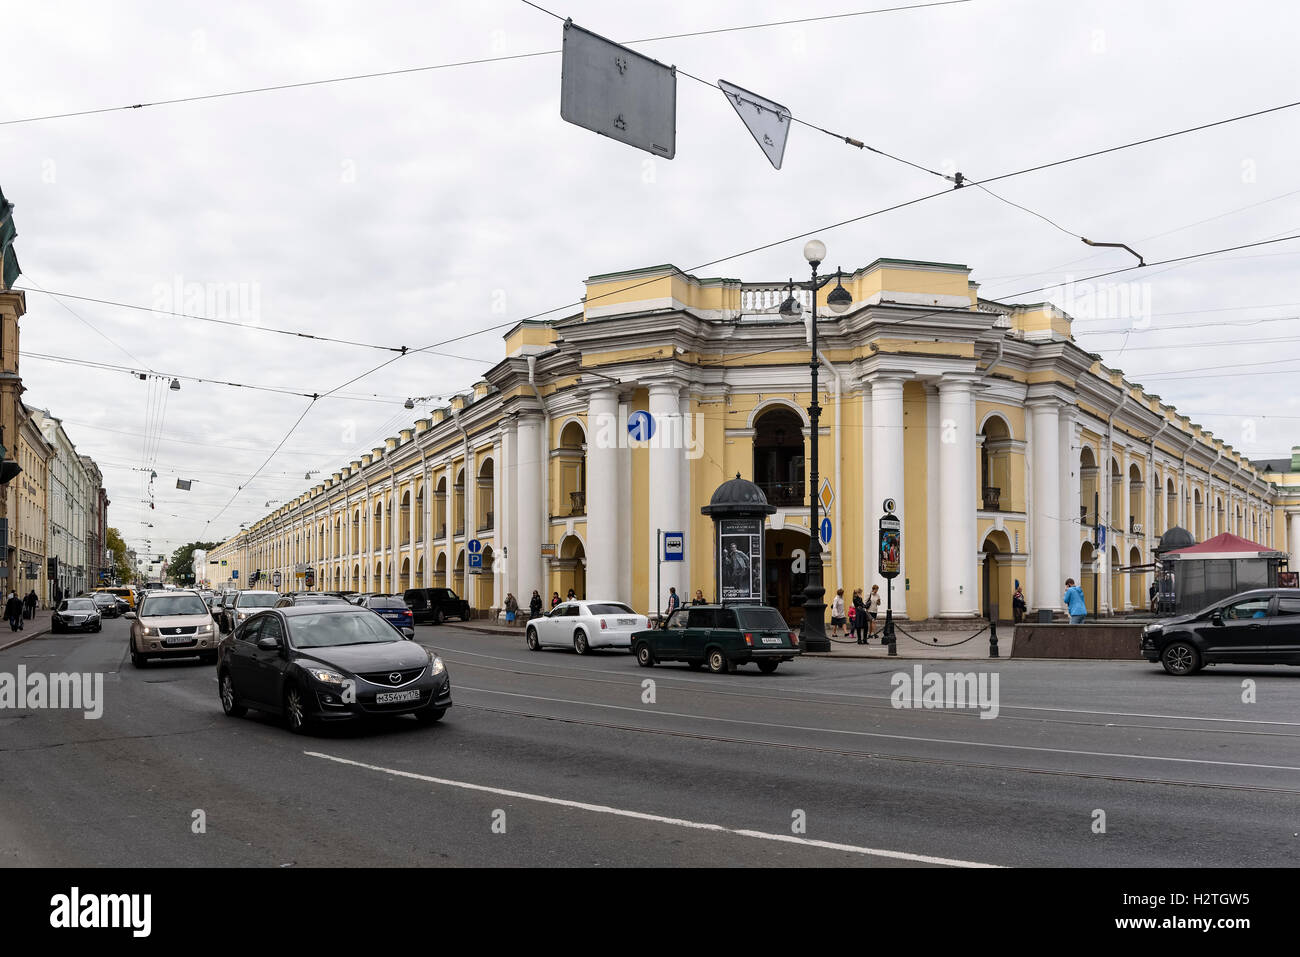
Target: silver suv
172,624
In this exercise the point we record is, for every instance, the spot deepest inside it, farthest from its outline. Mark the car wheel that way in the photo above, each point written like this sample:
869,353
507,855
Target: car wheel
531,639
718,662
767,667
137,659
1180,658
295,710
644,656
695,665
430,715
229,703
438,617
580,642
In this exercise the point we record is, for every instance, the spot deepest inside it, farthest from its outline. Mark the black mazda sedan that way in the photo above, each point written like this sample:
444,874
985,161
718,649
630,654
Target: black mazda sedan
330,662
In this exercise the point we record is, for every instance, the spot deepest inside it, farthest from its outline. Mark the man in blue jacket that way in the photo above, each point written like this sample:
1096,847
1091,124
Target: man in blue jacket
1074,602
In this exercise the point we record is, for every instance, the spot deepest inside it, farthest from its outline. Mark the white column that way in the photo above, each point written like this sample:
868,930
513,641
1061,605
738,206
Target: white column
499,588
508,532
1123,513
665,488
1293,539
958,595
1070,483
887,473
1045,546
532,510
625,505
684,501
933,500
602,496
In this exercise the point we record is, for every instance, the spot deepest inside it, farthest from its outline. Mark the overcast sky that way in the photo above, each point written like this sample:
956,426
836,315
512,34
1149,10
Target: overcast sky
409,209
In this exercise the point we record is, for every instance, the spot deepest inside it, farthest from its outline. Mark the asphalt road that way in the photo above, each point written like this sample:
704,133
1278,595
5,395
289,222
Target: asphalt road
554,759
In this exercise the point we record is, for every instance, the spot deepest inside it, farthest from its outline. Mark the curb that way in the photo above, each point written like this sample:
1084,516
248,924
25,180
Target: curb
15,644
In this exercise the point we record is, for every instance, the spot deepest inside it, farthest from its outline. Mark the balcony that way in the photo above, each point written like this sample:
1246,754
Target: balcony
992,499
783,494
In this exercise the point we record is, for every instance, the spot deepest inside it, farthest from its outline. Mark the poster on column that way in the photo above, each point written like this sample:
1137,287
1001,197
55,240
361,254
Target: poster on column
740,559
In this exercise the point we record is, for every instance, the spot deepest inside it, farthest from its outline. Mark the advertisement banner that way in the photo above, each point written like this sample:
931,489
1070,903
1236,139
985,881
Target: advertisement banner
740,559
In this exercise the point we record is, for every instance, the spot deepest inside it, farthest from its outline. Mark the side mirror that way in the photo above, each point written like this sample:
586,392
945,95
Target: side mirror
130,616
269,644
1216,618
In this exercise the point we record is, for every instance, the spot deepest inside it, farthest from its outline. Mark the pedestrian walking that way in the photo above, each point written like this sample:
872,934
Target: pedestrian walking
873,611
30,603
837,614
512,607
673,601
1018,604
535,605
14,612
58,595
1153,591
699,597
859,617
1074,602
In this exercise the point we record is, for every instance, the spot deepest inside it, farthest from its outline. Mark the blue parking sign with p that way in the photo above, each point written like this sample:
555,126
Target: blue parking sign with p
475,548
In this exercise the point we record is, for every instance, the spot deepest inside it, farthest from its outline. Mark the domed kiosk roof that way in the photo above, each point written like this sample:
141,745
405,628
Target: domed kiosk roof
738,496
1176,537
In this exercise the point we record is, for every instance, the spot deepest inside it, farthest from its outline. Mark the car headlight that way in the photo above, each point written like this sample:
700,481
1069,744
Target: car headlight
436,667
148,631
327,677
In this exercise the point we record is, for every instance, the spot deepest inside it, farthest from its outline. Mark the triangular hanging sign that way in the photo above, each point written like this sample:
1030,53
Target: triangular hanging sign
767,121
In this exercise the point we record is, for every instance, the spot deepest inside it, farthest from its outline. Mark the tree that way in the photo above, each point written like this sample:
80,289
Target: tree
121,570
181,569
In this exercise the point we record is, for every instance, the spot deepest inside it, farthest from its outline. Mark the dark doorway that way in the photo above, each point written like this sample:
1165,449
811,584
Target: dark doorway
779,456
783,586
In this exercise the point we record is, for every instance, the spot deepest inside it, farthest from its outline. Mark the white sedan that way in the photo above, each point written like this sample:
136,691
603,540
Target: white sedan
584,625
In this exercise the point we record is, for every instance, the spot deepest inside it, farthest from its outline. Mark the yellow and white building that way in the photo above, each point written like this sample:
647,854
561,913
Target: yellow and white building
990,427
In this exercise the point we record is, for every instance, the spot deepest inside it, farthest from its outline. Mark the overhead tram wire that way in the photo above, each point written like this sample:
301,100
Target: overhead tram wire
451,65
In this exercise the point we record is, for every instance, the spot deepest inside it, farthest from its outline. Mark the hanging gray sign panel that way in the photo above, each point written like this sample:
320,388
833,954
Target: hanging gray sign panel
617,92
767,121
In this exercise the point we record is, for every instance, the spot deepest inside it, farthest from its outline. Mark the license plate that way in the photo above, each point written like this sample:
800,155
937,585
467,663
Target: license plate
178,640
771,641
627,621
393,697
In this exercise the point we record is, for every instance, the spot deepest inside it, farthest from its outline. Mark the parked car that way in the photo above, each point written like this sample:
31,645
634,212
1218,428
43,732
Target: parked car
435,604
244,605
76,614
722,637
328,662
172,624
1258,627
393,610
584,625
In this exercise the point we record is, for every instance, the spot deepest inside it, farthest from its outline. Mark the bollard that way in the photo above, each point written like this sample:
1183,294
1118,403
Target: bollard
993,638
890,638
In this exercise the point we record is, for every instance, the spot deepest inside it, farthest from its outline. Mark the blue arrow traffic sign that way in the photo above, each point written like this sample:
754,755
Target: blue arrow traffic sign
826,531
641,426
474,546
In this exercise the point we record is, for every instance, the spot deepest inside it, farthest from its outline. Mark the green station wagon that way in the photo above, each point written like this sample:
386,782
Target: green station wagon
720,636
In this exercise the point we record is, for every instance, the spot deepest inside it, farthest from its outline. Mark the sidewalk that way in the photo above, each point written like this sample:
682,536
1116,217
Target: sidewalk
927,645
35,628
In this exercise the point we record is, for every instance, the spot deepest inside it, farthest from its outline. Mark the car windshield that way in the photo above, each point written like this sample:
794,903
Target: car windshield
77,604
610,608
158,605
329,630
761,619
262,599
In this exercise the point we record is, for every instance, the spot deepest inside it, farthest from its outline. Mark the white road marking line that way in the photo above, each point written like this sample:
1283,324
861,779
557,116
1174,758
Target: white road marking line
655,818
799,689
893,737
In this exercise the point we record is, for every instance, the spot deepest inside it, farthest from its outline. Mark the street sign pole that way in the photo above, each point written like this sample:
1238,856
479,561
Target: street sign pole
1096,522
659,560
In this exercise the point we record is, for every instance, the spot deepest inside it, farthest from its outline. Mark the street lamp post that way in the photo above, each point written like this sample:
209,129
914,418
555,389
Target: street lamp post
814,607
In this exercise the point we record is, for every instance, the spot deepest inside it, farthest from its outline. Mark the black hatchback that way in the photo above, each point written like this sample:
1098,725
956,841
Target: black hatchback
1259,627
329,662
